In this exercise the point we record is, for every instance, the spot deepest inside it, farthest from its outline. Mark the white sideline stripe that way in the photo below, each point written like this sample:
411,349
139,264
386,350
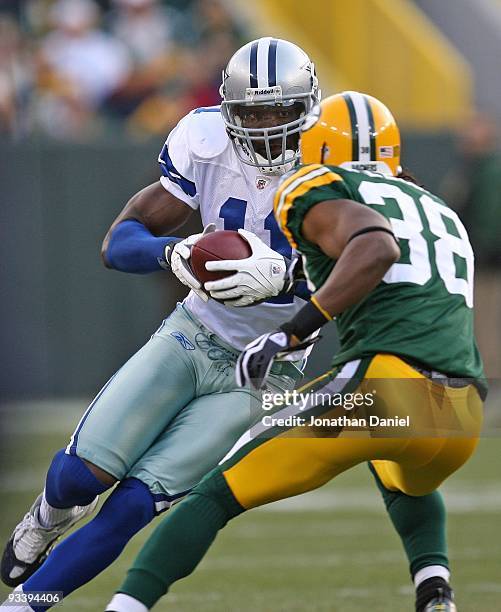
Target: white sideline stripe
334,386
277,559
41,417
459,500
369,593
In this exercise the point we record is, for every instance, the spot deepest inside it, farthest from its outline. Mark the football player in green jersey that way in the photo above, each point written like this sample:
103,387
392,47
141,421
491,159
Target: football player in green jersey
394,265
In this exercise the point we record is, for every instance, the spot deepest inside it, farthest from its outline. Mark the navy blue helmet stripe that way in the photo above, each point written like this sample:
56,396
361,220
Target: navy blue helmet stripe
253,64
272,63
169,170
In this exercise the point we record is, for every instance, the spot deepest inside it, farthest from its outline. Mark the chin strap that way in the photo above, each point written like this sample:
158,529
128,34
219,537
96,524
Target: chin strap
277,170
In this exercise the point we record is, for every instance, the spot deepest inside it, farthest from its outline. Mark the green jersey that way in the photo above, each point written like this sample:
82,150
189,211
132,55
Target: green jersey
423,308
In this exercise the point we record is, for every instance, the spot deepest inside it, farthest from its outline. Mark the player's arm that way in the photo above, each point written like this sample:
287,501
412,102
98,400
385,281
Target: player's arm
137,239
140,239
364,247
361,241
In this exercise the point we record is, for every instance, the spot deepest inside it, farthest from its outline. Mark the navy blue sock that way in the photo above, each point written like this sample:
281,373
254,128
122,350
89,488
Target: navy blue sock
70,483
88,551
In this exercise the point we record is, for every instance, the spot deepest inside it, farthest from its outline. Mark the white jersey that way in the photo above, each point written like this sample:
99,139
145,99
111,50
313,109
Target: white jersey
201,168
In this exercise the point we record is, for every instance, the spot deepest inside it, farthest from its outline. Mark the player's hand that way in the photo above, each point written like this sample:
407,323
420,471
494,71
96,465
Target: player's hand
260,276
255,361
178,256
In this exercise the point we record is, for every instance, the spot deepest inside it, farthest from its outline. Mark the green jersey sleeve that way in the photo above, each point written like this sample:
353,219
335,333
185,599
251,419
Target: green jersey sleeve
300,191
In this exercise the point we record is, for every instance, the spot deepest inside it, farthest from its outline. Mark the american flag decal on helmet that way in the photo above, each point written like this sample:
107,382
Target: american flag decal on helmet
386,152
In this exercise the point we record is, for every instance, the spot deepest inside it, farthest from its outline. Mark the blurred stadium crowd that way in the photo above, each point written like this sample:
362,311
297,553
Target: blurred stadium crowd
73,69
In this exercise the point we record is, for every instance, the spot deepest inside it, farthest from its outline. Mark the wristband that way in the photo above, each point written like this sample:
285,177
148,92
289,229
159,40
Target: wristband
310,318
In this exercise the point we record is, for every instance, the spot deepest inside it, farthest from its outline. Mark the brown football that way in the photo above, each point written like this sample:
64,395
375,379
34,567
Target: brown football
223,244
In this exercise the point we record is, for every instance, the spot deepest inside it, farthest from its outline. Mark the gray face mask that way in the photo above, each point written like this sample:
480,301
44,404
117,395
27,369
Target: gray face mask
266,135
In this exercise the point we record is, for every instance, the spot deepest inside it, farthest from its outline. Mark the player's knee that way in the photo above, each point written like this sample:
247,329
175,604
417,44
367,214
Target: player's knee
214,488
420,489
104,477
128,509
69,482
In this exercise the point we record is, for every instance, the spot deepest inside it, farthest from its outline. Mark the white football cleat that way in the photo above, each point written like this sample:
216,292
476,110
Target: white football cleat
30,542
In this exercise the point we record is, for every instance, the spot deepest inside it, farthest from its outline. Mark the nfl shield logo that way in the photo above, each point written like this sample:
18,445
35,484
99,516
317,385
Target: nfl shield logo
261,182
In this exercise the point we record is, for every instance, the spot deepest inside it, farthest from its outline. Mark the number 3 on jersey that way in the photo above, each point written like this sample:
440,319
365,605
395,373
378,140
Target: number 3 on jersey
448,244
233,214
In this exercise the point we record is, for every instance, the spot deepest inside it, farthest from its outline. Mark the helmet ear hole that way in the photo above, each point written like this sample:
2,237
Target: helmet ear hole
324,152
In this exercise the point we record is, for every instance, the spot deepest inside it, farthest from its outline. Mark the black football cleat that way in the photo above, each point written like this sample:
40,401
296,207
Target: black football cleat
435,595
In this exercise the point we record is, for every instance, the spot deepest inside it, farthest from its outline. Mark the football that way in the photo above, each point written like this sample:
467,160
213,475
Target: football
223,244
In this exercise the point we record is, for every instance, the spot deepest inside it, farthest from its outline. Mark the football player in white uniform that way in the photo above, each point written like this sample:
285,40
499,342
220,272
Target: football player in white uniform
172,412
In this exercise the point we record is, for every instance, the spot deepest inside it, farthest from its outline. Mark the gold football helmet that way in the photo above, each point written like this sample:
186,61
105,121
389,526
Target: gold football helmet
352,130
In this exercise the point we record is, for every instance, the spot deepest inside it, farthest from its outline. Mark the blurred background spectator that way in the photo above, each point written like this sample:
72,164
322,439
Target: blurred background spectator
80,69
473,187
16,77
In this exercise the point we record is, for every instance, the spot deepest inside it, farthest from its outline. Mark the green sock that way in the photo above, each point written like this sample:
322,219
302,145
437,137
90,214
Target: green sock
421,524
181,540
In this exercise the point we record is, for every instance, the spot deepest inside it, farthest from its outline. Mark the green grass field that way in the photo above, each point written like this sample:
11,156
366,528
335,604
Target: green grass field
332,550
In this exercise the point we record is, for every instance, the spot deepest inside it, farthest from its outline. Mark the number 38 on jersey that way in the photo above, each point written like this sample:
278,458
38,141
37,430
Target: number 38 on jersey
431,236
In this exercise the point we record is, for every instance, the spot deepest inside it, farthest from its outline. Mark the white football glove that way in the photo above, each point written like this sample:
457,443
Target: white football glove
179,258
260,276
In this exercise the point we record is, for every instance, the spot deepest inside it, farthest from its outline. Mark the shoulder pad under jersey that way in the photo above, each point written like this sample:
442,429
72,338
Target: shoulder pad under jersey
207,135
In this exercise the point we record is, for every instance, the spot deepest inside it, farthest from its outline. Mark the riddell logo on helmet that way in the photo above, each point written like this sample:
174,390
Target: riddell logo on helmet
258,92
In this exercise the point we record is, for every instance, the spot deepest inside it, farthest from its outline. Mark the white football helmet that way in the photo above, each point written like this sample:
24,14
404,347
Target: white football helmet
269,86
